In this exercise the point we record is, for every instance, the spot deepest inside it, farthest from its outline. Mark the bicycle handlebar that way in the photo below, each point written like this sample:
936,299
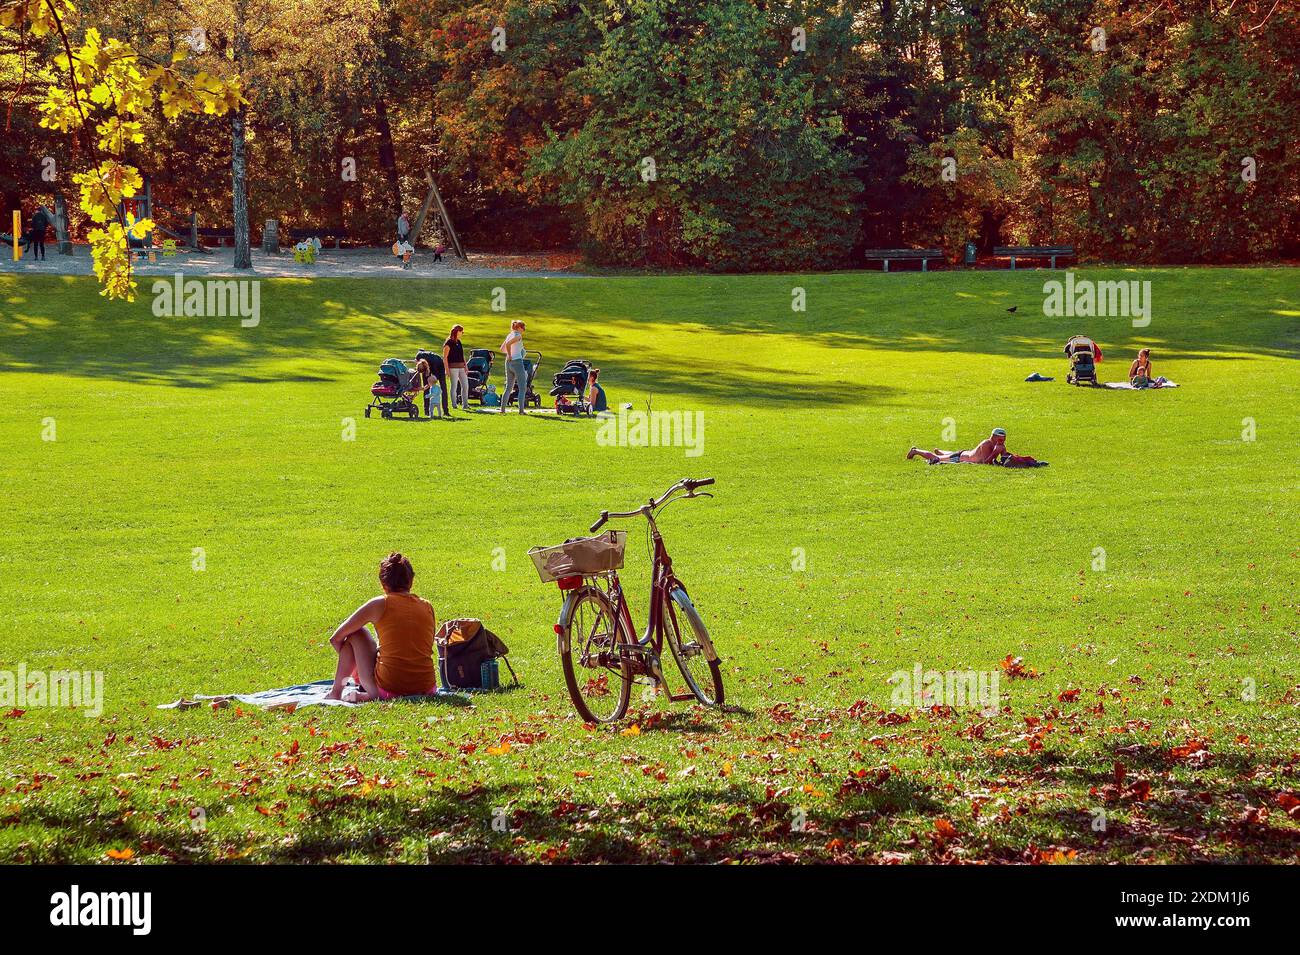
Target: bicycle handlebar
687,484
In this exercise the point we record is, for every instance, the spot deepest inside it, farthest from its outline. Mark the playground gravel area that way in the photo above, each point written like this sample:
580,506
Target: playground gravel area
331,263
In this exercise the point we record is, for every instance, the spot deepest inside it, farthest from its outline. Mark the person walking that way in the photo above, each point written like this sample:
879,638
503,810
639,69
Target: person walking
453,356
516,366
36,236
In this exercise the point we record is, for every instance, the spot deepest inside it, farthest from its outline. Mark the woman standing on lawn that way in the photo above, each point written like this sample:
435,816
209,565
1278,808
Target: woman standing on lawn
453,356
402,662
516,365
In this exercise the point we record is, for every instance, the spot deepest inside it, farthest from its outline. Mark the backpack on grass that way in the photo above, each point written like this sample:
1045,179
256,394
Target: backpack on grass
467,655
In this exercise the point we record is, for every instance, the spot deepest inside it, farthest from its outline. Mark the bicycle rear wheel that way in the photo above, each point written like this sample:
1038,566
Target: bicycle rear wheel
693,650
596,669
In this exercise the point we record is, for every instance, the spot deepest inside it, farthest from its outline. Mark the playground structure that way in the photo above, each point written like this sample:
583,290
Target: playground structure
144,206
433,196
194,235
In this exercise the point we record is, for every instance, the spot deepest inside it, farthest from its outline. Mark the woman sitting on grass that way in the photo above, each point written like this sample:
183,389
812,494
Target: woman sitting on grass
402,662
1139,373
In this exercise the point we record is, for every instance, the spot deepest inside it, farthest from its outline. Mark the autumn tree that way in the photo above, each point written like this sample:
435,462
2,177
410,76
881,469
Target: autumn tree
100,89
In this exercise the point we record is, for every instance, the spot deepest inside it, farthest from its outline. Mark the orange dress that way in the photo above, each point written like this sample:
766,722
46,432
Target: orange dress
406,627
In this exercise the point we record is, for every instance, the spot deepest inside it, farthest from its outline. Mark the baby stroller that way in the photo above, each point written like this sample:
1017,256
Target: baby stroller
1083,367
395,391
570,391
533,360
478,368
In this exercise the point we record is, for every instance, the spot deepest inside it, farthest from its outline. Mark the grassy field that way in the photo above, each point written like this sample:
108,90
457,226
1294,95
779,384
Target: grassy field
1153,716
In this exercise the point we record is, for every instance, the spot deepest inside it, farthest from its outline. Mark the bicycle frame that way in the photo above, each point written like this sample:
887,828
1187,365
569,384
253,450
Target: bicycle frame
662,582
648,649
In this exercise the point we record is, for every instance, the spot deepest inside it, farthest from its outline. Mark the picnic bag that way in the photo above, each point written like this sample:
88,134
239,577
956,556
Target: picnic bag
464,646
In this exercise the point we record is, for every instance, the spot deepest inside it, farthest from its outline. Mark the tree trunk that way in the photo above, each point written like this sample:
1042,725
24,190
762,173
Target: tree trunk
239,191
238,142
990,230
386,69
387,154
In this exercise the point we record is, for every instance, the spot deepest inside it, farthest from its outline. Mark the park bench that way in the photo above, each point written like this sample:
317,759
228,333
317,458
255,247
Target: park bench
1050,252
219,236
297,235
906,255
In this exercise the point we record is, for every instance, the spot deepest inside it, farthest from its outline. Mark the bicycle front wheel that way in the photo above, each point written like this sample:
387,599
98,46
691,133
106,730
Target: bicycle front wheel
596,669
693,650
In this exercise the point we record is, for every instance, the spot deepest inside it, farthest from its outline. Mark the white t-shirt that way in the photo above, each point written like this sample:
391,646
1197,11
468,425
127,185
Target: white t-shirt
514,346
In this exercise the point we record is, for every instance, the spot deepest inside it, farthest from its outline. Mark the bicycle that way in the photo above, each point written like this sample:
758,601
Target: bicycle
599,651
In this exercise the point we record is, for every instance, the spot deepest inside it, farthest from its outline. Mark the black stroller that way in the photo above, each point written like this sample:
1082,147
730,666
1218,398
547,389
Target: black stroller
533,359
1082,354
478,368
570,391
395,391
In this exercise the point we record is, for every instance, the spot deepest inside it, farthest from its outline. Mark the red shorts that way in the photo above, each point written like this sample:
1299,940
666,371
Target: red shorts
385,695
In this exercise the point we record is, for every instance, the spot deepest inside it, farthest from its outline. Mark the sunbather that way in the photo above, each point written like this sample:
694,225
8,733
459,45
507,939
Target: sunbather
986,452
401,664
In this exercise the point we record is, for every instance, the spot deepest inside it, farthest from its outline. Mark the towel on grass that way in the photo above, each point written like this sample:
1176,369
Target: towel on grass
1127,386
1018,461
290,698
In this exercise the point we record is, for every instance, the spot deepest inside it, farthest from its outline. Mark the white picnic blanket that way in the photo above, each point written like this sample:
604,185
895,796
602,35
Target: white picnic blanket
1126,386
293,697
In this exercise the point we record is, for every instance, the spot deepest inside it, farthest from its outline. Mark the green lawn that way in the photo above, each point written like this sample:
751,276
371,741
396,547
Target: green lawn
173,434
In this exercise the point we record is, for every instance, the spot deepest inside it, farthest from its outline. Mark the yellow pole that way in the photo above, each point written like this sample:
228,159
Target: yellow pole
18,226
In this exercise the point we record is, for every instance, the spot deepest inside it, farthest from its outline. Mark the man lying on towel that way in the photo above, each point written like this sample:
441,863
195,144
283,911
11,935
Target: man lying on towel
992,450
986,452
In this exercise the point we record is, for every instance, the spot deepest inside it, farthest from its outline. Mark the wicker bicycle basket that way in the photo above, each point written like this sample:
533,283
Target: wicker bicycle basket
581,557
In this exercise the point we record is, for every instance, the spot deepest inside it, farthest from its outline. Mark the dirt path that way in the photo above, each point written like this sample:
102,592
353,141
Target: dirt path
331,263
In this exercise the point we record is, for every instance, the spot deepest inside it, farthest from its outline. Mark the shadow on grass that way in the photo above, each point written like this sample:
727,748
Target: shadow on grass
704,823
708,822
1164,809
335,329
